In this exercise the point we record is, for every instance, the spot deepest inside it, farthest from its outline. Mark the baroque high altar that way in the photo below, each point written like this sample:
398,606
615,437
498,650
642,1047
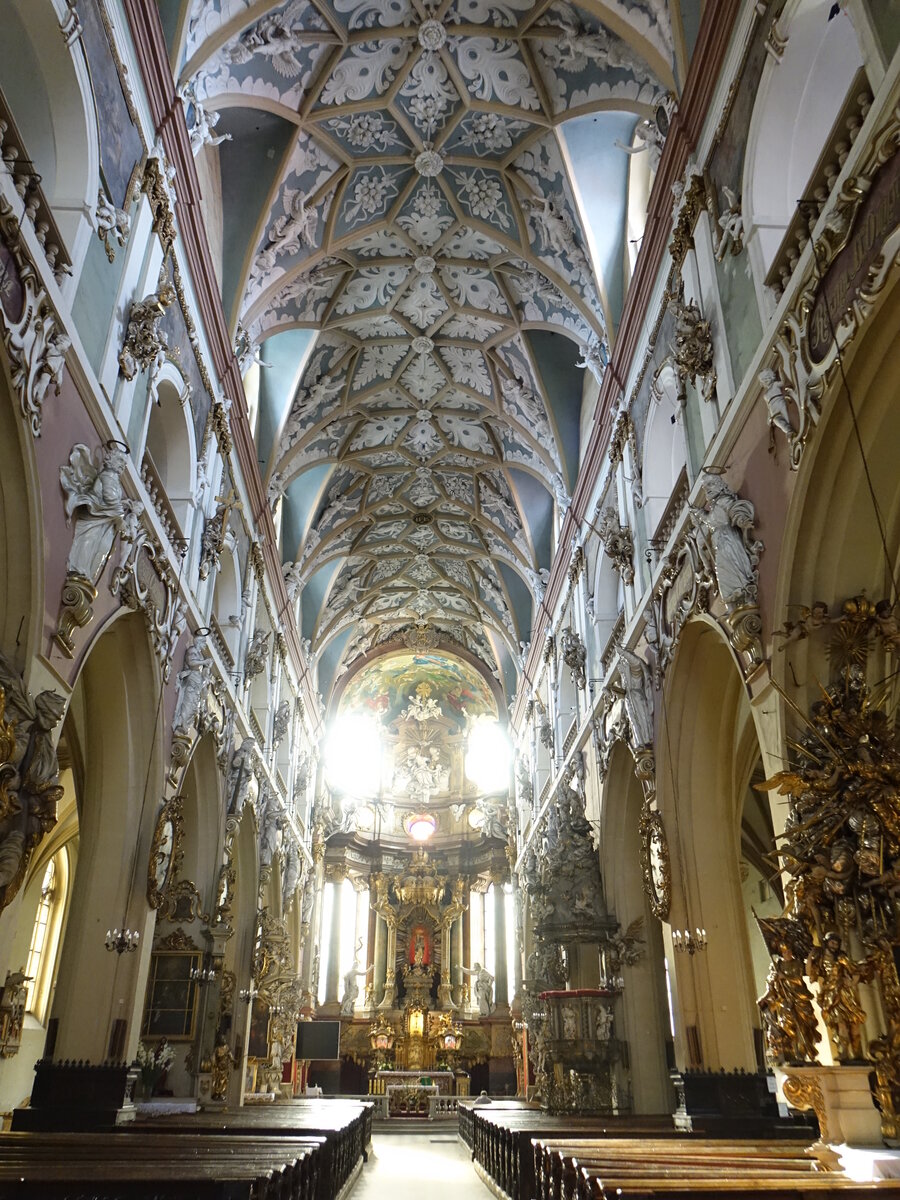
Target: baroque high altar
423,1008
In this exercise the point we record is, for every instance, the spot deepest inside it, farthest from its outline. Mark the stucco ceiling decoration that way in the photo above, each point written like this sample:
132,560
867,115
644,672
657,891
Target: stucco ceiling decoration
423,218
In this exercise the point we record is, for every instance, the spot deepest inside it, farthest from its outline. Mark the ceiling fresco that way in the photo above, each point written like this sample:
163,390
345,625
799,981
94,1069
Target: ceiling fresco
424,218
386,687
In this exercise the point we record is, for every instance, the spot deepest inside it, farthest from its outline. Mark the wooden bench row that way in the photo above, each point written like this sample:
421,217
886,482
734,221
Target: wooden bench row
559,1163
346,1128
67,1166
652,1169
306,1150
501,1139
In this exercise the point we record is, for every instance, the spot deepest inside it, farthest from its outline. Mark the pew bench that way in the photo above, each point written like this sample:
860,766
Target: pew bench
169,1168
345,1127
822,1186
555,1159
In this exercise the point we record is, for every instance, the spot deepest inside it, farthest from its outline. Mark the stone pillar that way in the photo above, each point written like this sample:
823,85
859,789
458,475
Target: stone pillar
466,959
333,975
310,929
380,957
371,926
501,981
518,942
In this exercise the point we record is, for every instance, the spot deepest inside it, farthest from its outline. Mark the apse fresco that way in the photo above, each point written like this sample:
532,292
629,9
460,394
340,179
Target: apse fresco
385,686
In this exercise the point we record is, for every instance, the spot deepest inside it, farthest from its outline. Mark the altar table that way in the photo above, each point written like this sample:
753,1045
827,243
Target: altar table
442,1080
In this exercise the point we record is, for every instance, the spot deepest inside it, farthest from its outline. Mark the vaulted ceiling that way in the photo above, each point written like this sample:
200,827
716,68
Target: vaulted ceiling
404,186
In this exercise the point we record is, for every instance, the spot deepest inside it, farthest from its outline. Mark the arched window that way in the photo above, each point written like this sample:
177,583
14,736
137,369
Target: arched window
640,181
45,933
810,83
170,456
665,451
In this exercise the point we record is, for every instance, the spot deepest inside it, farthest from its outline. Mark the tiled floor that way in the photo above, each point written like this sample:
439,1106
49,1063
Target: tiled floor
432,1165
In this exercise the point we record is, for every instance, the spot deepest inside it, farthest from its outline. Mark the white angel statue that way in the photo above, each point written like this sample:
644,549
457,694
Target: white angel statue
96,499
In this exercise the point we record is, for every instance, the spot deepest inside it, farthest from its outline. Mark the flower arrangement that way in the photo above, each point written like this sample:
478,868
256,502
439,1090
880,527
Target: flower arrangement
154,1062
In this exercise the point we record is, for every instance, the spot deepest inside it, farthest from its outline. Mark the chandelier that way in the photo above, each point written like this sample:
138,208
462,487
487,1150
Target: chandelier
123,941
689,942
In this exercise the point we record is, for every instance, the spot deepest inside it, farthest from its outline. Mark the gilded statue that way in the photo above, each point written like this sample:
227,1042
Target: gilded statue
838,977
840,852
791,1029
223,1061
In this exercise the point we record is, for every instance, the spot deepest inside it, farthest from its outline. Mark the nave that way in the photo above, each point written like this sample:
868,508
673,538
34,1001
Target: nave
449,596
336,1150
413,1165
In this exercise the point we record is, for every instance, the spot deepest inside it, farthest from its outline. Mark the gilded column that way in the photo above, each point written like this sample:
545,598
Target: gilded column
456,957
380,957
445,999
390,983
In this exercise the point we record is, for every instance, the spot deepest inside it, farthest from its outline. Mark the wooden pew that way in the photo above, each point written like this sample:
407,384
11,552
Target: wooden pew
345,1126
171,1167
555,1159
655,1169
832,1186
502,1141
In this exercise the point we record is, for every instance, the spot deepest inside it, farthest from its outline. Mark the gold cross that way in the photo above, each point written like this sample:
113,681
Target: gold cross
229,502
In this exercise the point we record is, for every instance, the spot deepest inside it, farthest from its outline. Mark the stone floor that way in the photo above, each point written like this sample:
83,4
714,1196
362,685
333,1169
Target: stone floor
408,1166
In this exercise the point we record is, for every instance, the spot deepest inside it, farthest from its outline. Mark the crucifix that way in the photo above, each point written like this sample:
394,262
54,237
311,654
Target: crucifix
226,504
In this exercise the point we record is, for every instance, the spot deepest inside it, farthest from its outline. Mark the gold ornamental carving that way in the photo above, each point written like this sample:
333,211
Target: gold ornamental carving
76,611
840,854
165,851
655,864
693,204
805,1093
176,940
156,190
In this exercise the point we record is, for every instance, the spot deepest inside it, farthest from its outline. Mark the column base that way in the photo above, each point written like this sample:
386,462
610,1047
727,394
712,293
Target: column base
841,1099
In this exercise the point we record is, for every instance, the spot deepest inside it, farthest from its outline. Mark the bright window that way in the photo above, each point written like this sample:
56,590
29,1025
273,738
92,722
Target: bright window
39,937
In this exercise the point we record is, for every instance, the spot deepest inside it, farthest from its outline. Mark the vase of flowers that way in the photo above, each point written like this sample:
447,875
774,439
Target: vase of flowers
154,1062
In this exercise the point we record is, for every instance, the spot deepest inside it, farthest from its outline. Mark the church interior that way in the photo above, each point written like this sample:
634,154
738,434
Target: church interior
449,611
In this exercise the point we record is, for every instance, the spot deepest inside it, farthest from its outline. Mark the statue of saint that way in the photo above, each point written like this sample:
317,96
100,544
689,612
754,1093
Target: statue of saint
351,987
484,988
